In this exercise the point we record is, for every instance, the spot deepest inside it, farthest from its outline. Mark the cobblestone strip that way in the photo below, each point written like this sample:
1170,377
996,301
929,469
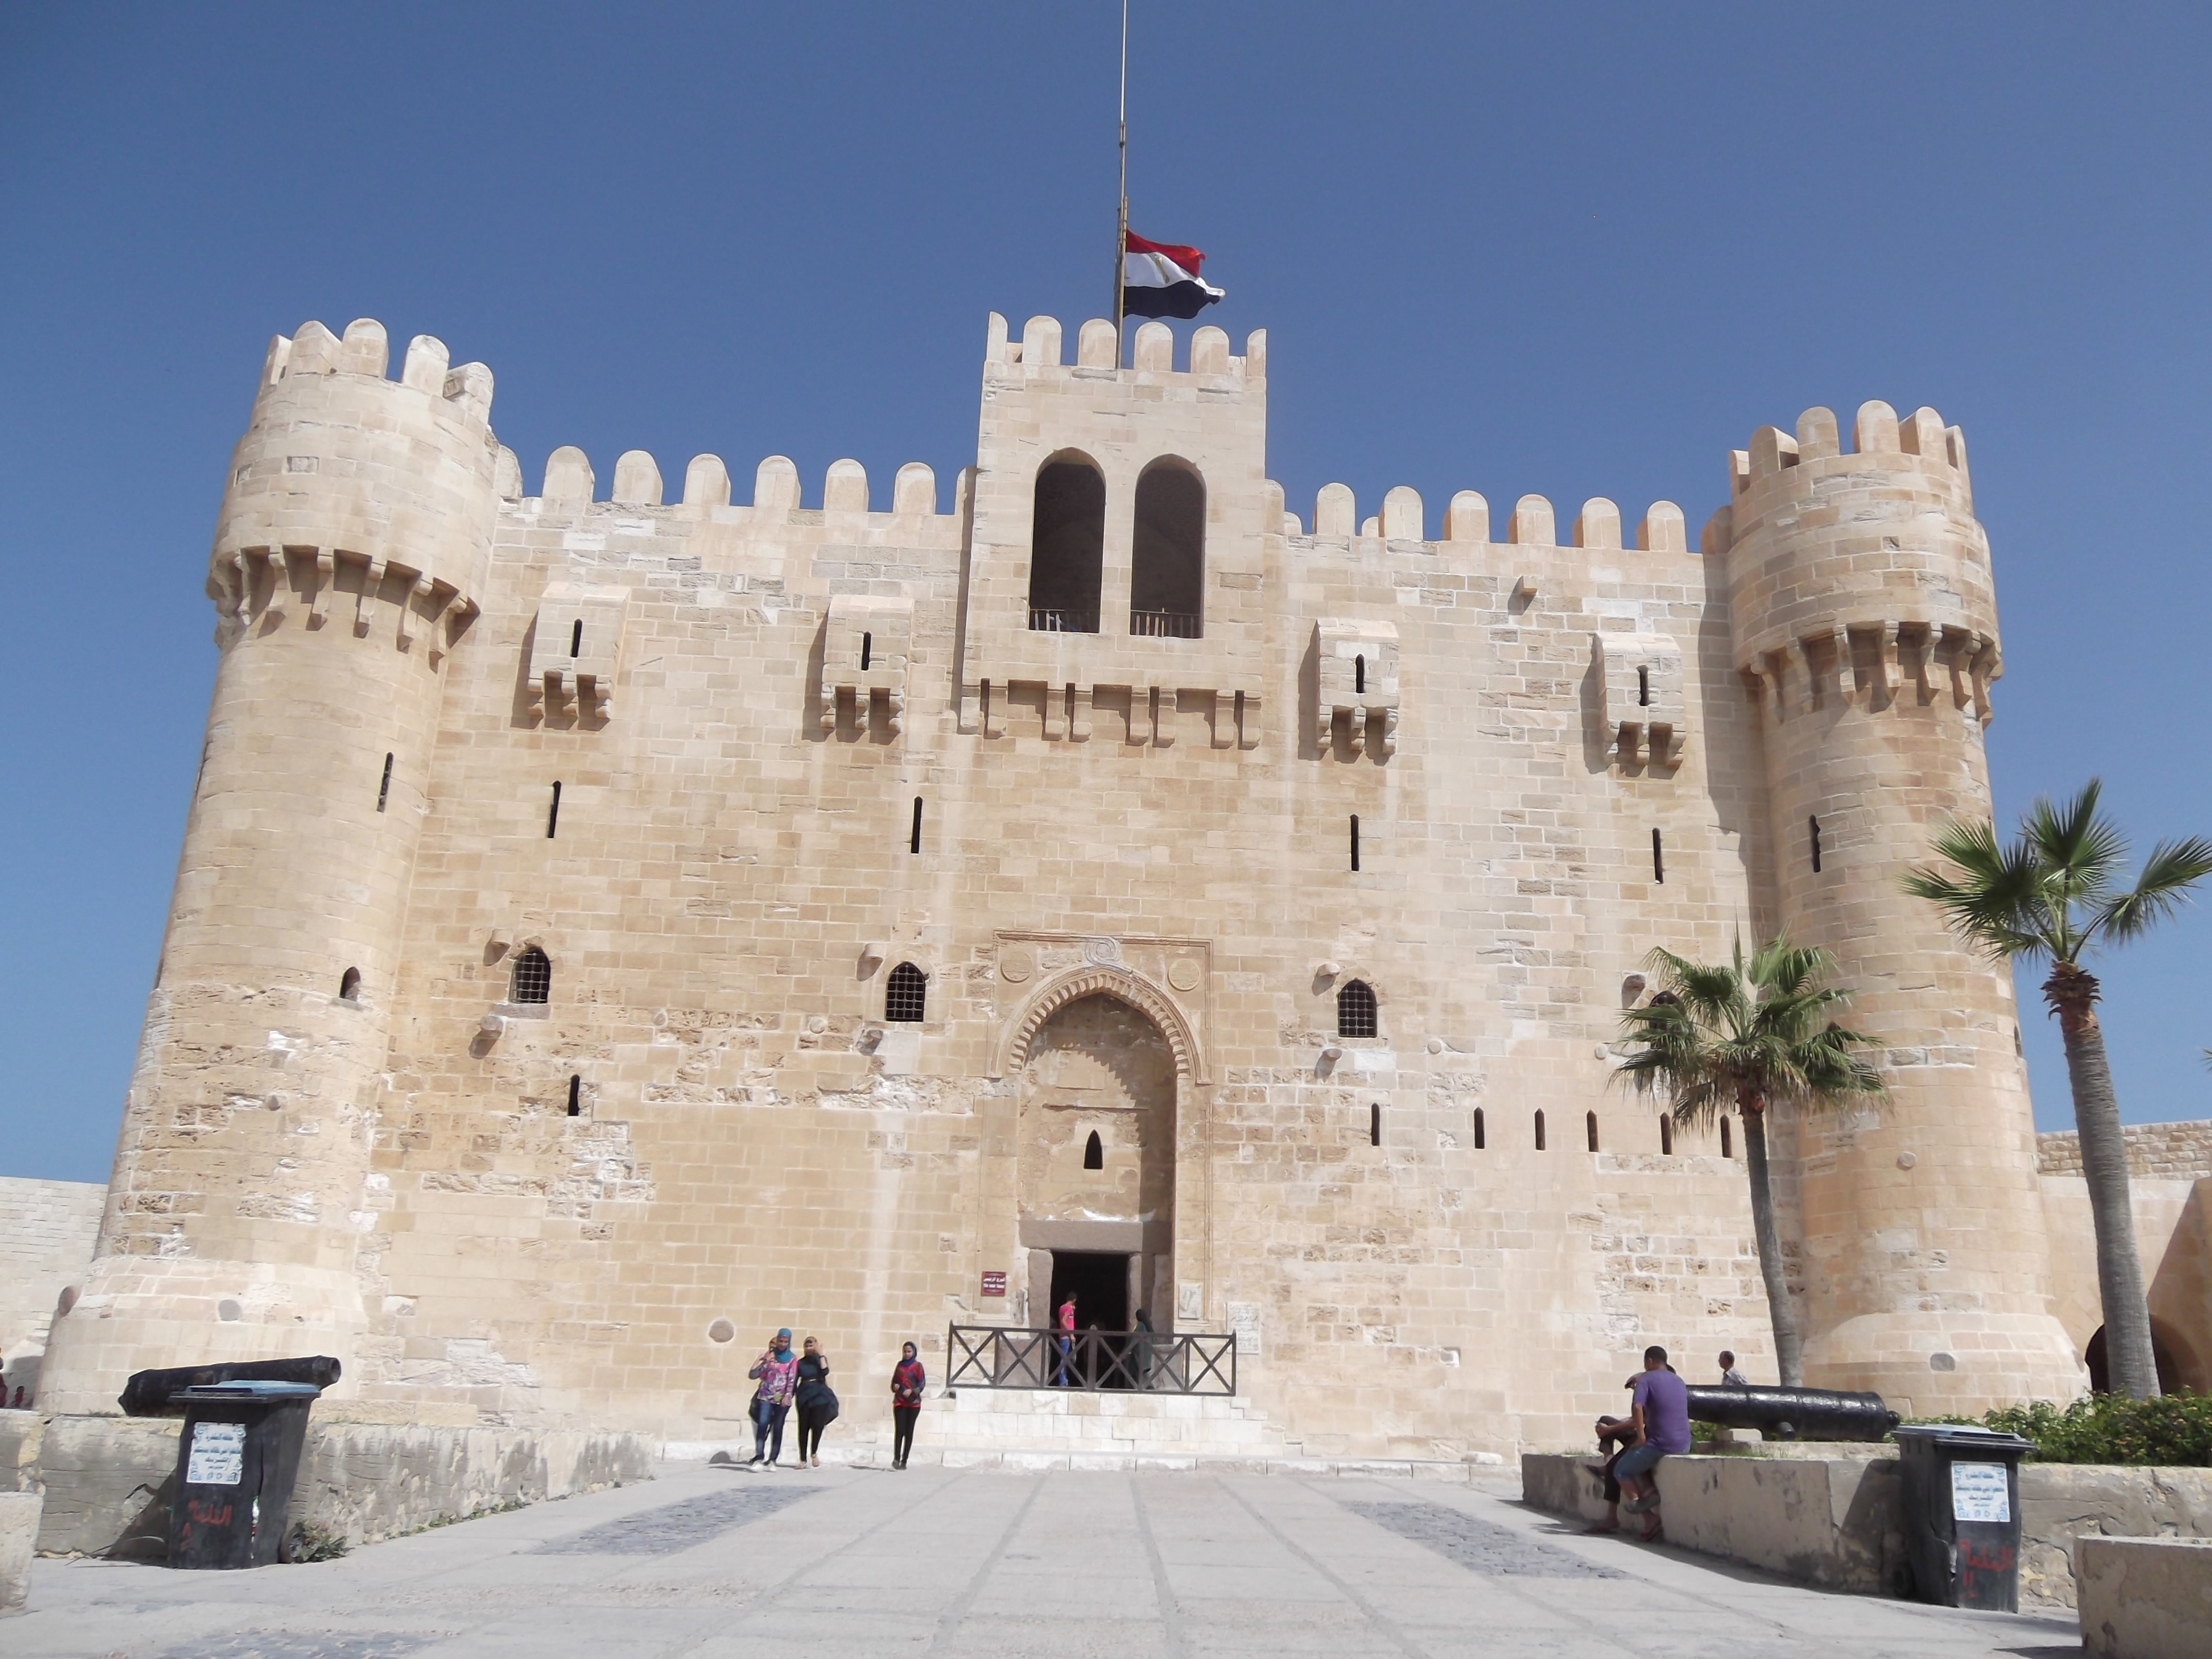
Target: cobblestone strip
676,1527
294,1645
1171,1643
1480,1545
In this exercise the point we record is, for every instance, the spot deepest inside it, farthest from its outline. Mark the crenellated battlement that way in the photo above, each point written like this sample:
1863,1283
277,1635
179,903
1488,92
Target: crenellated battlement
1099,351
364,352
568,483
1532,523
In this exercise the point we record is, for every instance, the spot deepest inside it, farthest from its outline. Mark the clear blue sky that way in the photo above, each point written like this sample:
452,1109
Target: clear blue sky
1577,249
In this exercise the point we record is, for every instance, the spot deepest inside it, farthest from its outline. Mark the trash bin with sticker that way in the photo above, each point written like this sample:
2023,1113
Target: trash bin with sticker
1962,1514
236,1459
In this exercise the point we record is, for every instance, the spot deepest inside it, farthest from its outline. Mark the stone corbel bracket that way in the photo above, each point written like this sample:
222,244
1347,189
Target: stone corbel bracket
865,642
1643,703
1359,679
575,650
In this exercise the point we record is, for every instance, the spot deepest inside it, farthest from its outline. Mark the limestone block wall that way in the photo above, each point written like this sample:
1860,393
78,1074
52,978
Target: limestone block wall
2156,1151
47,1229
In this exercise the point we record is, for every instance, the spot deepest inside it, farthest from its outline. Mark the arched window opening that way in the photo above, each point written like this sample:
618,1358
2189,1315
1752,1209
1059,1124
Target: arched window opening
349,986
1478,1129
1094,1153
1727,1140
1539,1131
868,650
1813,830
1589,1124
1666,1137
384,789
576,639
1643,688
1167,557
1359,674
532,980
575,1095
1355,1010
1068,547
1375,1124
906,996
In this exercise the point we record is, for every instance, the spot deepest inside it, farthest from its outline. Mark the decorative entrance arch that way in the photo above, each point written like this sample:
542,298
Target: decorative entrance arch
1096,979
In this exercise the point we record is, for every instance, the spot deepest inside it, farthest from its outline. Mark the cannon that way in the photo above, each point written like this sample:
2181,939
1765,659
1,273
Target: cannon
147,1394
1793,1414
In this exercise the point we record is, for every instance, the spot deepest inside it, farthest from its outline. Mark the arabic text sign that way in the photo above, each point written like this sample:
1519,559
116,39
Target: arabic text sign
218,1456
1979,1492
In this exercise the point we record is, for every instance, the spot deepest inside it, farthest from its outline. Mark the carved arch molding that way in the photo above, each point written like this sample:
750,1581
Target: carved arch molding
1169,982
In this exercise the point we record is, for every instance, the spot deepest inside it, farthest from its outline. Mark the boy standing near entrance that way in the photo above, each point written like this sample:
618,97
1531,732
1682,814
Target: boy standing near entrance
1066,1337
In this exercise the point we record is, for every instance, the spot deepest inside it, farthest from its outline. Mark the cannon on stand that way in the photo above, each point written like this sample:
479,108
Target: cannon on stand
1793,1414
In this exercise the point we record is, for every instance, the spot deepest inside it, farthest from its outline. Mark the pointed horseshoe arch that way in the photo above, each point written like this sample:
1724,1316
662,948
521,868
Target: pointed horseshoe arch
1094,980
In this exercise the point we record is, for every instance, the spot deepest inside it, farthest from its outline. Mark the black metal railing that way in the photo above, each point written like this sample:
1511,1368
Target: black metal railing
1163,625
1061,619
1002,1357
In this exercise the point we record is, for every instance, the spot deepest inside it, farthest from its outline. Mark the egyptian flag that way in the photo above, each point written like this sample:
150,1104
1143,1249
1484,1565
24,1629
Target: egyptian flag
1159,279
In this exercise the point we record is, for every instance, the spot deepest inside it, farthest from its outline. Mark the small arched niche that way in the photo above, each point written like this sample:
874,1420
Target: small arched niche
1068,545
1167,556
349,986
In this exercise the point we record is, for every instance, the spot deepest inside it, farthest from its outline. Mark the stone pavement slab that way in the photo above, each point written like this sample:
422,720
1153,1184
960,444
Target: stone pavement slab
711,1562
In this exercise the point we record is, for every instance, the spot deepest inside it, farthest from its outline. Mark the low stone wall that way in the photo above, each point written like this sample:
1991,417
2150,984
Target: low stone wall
19,1537
2146,1598
2156,1151
1833,1517
107,1479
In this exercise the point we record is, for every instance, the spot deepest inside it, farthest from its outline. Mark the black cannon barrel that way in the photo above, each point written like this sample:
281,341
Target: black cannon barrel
1793,1413
147,1394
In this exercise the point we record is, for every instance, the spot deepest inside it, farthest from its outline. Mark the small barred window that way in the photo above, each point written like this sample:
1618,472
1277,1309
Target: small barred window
907,995
1355,1010
533,978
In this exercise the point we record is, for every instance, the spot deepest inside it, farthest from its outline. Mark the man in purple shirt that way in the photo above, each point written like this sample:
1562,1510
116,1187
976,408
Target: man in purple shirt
1662,1411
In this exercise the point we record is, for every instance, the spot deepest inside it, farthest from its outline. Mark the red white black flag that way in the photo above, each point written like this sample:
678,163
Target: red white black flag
1161,279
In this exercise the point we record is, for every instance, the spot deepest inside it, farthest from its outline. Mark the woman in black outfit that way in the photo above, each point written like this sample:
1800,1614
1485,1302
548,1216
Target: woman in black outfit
818,1405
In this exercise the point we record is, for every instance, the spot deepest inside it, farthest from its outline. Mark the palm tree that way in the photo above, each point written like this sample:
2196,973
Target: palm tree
1748,1035
2054,892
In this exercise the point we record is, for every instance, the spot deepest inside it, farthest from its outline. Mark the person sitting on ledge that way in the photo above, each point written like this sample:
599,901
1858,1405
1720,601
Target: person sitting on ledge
1661,1412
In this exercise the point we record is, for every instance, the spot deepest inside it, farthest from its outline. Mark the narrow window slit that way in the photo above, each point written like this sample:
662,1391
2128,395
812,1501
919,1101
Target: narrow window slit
1539,1131
867,649
1589,1122
914,837
1375,1124
576,639
1359,673
1813,828
1658,859
575,1095
384,789
1727,1140
1643,688
1666,1137
1478,1129
553,813
1355,841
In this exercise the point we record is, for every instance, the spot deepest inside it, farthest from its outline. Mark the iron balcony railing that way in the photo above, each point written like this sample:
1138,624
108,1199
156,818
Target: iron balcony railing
1002,1357
1061,619
1164,625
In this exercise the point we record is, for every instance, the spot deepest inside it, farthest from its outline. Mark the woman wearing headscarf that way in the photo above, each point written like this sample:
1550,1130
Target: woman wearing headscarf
908,1380
817,1402
777,1371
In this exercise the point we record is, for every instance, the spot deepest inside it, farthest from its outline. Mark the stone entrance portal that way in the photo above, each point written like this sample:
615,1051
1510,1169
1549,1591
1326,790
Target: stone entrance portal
1097,1132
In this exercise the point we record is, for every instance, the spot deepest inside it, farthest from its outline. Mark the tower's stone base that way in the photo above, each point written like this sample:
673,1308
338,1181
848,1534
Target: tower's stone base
1938,1364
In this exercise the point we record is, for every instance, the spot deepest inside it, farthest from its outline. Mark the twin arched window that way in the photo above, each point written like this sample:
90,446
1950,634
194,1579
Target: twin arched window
906,997
1355,1010
532,977
1167,552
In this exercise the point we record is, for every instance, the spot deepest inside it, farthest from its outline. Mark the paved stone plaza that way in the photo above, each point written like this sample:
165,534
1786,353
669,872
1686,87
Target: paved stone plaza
710,1561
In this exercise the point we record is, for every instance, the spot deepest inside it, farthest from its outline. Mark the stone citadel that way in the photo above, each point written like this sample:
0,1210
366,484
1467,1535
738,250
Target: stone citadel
609,927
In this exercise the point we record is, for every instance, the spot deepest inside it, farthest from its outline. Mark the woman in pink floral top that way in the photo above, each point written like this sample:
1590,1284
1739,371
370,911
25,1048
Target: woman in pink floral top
907,1381
778,1373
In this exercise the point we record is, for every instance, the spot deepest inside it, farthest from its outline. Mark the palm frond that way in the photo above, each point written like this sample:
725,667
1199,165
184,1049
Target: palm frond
1997,900
2172,869
2081,849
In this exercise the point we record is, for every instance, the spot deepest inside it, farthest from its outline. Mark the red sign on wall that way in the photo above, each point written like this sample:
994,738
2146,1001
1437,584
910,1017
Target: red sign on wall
994,1284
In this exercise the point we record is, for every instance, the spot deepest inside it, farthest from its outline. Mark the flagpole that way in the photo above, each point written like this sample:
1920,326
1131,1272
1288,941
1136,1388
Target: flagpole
1121,225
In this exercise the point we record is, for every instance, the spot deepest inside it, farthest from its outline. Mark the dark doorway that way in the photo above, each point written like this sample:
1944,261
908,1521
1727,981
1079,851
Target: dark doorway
1100,1282
1068,547
2100,1371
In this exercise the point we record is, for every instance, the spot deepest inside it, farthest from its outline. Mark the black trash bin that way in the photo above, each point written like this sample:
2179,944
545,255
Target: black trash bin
236,1459
1962,1514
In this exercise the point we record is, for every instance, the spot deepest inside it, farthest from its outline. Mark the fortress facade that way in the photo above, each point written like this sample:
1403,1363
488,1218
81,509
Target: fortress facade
609,927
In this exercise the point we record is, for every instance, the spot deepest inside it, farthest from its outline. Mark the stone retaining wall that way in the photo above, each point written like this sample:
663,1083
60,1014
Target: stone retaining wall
1836,1521
106,1479
2146,1598
2156,1151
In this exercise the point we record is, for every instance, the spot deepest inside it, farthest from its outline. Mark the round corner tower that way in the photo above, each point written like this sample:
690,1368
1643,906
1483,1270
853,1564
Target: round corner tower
355,530
1864,614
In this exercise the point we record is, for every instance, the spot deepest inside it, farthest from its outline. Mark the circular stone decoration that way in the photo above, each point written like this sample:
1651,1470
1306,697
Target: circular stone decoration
1183,973
1103,952
229,1310
1016,965
1906,1160
721,1331
1942,1362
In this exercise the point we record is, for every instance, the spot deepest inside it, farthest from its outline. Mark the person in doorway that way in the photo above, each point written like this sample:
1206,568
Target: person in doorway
908,1380
1067,1322
1660,1414
777,1373
816,1403
1731,1377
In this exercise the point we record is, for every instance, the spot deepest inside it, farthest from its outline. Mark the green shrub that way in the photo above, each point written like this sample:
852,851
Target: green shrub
311,1542
2175,1430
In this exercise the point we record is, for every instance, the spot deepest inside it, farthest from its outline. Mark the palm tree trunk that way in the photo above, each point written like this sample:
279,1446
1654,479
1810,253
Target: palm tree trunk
1788,1350
2131,1364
